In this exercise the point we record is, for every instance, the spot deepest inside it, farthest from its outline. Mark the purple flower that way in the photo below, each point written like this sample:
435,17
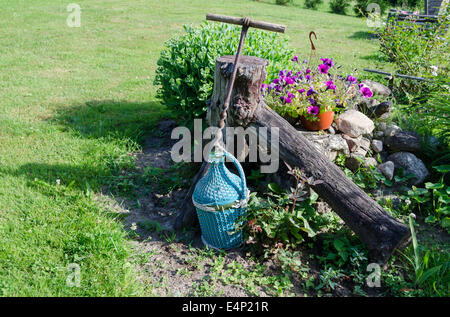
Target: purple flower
351,79
323,69
288,100
283,98
308,77
295,59
366,92
307,71
283,73
289,80
360,85
313,110
300,91
312,101
291,96
330,85
305,61
264,87
327,61
311,91
276,81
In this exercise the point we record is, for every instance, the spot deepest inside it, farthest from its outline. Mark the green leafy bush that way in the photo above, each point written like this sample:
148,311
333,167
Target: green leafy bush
185,69
283,2
313,4
339,6
416,50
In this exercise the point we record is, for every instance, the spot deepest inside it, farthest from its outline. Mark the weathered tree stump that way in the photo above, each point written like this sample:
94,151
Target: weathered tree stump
379,231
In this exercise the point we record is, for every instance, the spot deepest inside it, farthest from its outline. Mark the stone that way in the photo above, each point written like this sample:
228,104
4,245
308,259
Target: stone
377,146
331,130
410,165
391,130
377,88
351,142
370,161
360,144
328,144
382,127
354,123
382,108
373,109
384,116
353,162
403,141
378,134
387,169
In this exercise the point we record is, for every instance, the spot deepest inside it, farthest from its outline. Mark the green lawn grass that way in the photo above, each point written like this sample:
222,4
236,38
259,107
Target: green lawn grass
75,101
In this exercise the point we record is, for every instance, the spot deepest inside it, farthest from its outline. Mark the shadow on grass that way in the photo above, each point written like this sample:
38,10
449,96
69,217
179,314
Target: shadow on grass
110,118
362,35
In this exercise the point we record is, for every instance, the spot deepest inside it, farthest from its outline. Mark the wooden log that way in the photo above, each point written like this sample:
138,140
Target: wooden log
240,21
379,231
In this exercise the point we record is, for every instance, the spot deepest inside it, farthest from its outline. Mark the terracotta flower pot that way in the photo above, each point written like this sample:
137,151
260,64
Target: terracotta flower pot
325,121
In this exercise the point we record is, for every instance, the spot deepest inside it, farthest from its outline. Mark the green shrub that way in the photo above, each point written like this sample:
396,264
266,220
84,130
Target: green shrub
283,2
339,6
416,50
185,69
313,4
360,7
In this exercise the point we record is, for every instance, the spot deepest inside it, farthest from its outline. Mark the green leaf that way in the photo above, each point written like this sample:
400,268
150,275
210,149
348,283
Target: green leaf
442,168
433,185
274,188
430,219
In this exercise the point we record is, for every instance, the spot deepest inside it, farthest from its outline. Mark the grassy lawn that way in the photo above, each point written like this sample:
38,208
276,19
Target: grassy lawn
75,101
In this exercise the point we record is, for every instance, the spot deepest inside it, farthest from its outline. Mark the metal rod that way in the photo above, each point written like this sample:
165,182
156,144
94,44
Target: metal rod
396,75
226,104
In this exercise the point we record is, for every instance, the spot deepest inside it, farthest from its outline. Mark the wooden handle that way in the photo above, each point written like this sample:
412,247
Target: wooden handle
240,21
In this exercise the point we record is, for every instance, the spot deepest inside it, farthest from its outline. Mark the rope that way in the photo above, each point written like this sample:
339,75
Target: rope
241,203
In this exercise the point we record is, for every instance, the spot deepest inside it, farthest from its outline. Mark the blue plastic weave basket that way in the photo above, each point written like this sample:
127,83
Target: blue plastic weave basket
220,200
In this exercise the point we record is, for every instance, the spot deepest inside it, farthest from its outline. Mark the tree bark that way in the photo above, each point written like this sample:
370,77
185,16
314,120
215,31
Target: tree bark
379,231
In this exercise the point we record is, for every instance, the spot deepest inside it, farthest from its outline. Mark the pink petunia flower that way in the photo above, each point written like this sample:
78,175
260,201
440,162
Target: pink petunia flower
313,110
366,92
323,69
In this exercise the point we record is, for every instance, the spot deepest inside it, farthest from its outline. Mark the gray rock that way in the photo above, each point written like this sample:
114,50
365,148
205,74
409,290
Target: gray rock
373,109
391,130
370,161
351,142
381,108
378,134
354,123
403,141
377,146
377,88
331,130
353,162
410,165
382,127
387,169
360,145
328,144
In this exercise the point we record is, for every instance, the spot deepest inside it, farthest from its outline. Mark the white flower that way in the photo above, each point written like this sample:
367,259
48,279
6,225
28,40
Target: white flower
434,70
133,226
58,182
